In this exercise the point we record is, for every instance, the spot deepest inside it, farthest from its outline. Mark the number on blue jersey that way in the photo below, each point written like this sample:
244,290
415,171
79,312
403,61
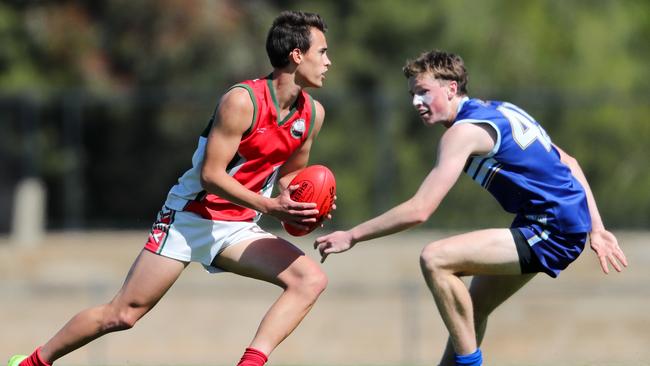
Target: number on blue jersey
525,130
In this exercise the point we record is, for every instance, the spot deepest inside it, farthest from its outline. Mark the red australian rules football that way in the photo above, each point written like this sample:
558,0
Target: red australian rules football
317,185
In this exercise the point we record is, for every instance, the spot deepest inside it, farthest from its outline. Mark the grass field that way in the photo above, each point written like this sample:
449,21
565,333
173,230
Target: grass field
376,310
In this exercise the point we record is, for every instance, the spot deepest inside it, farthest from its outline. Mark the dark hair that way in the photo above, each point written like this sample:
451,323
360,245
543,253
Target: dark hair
442,65
290,30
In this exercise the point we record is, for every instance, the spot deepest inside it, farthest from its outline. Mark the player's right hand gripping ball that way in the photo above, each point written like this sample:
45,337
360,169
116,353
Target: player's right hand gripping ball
317,184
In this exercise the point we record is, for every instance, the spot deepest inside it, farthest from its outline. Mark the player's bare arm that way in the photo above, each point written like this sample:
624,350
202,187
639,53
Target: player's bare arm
602,242
233,118
456,146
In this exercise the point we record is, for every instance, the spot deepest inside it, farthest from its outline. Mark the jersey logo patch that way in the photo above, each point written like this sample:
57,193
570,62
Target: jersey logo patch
298,128
159,230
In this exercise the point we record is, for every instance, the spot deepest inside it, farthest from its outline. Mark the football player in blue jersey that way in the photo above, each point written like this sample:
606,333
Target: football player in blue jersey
507,152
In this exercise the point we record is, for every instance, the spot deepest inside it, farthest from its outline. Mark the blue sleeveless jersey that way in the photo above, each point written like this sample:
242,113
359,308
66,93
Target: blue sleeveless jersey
523,171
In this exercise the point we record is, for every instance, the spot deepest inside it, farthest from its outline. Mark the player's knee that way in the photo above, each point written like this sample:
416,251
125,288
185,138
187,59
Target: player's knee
316,281
432,259
122,318
311,281
320,281
129,316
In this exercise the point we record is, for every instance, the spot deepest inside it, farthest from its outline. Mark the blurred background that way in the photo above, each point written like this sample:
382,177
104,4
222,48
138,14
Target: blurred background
102,102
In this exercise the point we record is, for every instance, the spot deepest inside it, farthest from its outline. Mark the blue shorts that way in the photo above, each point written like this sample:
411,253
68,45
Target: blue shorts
541,250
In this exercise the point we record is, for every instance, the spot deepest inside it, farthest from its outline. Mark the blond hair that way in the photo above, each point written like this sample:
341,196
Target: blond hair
442,65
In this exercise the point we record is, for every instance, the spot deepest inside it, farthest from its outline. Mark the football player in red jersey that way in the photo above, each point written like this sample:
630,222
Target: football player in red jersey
261,132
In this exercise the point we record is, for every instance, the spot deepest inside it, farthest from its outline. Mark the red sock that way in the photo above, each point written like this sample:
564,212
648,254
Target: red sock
34,359
251,357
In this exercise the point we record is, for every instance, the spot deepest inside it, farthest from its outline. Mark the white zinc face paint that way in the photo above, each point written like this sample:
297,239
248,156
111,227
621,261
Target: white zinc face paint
422,99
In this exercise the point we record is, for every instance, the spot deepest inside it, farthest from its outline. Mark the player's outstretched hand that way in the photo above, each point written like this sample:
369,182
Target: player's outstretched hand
336,242
605,245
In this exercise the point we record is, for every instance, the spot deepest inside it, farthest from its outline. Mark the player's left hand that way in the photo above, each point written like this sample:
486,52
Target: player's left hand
606,246
336,242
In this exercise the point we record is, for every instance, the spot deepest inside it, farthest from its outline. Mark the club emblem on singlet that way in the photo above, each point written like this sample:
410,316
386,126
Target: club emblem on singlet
298,128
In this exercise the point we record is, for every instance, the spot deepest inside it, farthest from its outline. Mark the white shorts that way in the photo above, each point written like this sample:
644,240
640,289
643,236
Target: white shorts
188,237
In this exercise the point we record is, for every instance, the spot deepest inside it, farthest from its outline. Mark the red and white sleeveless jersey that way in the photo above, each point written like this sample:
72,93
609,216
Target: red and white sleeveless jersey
263,149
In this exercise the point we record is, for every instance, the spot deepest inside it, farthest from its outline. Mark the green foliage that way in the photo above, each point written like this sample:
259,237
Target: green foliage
148,74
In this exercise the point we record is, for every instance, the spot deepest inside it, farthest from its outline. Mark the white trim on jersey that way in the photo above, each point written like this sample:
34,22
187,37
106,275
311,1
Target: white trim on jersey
189,184
242,160
483,169
497,144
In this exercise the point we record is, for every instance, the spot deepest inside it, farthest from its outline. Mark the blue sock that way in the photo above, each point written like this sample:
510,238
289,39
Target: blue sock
473,359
